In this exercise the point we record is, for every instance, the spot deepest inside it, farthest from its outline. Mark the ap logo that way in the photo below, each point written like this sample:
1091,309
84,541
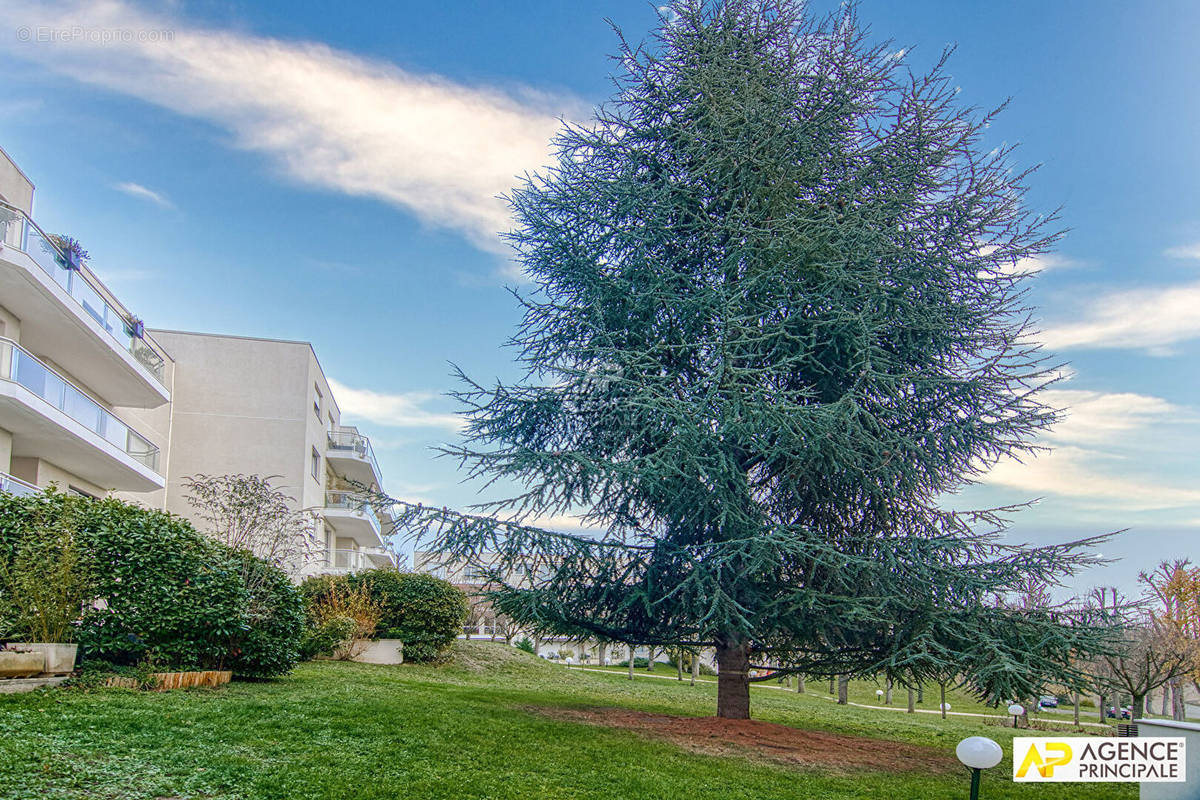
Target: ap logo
1044,759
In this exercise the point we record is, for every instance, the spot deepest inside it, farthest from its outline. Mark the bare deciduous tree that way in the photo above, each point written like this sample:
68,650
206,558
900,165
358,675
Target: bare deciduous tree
249,513
1151,652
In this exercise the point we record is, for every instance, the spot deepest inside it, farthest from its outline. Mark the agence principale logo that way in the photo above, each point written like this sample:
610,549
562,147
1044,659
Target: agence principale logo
1155,759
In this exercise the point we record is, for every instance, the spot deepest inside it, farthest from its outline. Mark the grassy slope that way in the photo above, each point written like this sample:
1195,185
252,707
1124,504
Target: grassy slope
357,731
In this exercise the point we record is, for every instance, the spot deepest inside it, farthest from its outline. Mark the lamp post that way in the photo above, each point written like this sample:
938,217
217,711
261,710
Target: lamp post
978,753
879,694
1016,709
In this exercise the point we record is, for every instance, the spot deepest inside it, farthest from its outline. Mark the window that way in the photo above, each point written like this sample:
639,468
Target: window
316,463
317,401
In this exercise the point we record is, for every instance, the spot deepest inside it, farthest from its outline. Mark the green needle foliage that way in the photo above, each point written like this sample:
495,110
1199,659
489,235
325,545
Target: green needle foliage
778,315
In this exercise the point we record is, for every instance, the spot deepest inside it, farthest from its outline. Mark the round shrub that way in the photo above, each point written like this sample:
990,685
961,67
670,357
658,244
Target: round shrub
166,593
424,612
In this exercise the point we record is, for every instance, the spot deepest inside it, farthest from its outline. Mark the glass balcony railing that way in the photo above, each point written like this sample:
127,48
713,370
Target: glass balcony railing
353,501
17,230
340,561
348,440
16,486
18,366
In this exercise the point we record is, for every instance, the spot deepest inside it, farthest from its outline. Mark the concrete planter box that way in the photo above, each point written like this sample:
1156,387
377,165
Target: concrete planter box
21,663
60,658
382,651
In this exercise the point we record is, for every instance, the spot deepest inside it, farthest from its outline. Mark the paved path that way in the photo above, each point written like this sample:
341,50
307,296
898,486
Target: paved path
644,674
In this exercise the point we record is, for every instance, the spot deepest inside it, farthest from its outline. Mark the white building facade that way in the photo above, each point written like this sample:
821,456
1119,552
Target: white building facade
77,370
94,403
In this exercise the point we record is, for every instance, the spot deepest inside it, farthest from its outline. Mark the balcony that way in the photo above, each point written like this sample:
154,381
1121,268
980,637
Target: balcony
351,455
351,516
67,315
344,562
51,418
16,486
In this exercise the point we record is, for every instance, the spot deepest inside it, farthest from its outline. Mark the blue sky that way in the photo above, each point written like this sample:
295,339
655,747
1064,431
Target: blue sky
292,170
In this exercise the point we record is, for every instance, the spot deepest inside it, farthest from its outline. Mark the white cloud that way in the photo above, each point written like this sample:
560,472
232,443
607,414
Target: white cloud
1099,452
137,190
1042,263
1141,319
440,150
1072,472
1187,251
1105,417
402,410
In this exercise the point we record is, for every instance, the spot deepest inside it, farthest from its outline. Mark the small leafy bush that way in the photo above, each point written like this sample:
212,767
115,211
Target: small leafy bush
526,645
328,638
424,612
275,611
43,569
340,603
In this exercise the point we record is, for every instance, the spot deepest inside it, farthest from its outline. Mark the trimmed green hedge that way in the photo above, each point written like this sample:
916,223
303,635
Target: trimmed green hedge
160,591
424,612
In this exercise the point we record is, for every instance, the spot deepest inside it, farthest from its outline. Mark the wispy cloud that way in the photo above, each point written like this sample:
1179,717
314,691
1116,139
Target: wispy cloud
1098,452
440,150
1073,472
137,190
1137,319
404,410
1043,263
1107,417
1186,251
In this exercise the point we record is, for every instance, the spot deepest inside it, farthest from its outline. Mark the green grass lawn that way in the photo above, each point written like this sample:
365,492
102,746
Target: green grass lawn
337,730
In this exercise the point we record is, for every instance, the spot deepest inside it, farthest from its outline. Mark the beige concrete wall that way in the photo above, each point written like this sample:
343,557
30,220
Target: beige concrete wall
43,473
15,188
243,405
10,325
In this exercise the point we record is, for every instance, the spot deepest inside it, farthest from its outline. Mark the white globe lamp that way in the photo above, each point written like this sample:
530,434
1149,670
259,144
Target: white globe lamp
1016,709
978,753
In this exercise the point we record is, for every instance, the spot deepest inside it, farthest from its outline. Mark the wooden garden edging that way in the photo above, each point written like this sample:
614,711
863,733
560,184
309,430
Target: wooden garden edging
165,681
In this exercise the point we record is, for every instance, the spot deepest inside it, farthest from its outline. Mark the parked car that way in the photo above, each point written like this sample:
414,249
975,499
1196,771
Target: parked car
1113,710
1048,701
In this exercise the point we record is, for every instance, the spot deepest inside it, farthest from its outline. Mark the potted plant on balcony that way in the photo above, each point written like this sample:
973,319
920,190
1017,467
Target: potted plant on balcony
135,327
72,251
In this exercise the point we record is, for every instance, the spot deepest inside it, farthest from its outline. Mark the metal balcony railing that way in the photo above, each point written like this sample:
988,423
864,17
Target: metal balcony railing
20,367
19,231
348,440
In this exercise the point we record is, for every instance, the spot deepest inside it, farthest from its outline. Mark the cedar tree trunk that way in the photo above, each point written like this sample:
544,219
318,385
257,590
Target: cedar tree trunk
733,679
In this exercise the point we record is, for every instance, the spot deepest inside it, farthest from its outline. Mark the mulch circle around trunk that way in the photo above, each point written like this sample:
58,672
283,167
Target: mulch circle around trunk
765,741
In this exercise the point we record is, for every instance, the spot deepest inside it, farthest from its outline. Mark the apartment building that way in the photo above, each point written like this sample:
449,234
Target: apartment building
77,369
264,407
93,402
